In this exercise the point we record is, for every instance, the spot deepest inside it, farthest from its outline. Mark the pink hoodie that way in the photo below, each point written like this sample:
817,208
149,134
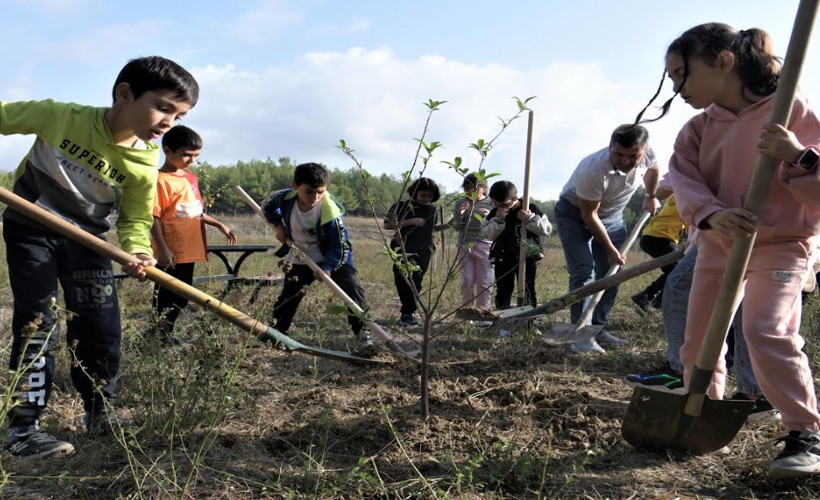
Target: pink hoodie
715,154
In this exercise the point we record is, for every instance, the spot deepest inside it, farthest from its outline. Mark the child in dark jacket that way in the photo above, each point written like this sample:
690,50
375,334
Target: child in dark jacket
503,226
415,220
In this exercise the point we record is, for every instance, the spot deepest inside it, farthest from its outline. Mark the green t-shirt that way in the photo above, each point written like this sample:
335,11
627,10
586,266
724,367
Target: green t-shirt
76,172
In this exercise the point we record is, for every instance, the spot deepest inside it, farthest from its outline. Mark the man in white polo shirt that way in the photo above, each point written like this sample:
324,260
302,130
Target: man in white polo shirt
589,216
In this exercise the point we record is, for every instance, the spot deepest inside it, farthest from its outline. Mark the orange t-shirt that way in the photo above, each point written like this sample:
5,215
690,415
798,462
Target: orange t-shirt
178,206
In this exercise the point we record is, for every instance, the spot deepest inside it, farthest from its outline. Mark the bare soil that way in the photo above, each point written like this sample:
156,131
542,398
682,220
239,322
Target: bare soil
510,417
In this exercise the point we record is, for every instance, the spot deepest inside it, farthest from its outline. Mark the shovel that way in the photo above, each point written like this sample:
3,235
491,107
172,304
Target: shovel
525,205
240,319
580,293
692,422
570,334
374,327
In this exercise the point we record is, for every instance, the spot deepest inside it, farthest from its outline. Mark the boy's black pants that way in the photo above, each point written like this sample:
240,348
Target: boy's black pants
300,276
506,273
167,304
38,260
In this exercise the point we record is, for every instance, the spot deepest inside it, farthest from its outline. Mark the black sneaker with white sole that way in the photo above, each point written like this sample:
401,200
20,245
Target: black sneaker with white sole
36,444
800,457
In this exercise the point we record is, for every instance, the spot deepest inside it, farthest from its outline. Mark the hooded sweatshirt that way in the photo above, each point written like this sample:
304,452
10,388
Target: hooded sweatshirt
713,161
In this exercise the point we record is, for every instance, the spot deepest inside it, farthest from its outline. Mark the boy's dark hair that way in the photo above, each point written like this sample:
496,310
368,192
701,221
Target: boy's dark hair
156,73
502,191
629,136
424,184
472,180
312,174
755,62
181,136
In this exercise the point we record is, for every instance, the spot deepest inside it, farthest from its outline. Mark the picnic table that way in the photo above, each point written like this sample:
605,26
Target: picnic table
245,251
231,276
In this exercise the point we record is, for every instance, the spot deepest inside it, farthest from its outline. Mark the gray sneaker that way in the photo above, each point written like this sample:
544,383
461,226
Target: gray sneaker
587,346
606,339
800,457
29,443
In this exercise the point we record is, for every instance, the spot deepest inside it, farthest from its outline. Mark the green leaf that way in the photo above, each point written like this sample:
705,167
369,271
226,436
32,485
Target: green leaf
336,309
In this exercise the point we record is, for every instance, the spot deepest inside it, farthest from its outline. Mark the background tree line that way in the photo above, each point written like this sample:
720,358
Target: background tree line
261,177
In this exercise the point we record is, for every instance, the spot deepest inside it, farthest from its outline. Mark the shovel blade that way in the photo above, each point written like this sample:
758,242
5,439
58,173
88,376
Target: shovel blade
512,312
656,420
570,334
290,344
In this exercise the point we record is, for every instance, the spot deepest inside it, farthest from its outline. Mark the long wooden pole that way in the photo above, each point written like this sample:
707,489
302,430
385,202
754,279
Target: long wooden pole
216,306
374,327
522,253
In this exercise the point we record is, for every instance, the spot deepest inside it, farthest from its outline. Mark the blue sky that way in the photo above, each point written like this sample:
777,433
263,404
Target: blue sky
291,78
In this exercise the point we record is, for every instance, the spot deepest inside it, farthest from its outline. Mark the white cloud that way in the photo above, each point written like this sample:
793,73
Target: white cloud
373,100
263,21
355,26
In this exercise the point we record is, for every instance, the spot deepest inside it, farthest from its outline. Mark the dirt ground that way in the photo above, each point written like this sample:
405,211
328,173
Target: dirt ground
510,417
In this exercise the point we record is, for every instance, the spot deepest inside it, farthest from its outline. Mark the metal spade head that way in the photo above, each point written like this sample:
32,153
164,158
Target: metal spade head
570,334
656,420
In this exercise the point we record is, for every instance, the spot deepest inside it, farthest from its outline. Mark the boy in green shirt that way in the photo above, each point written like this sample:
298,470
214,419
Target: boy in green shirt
84,163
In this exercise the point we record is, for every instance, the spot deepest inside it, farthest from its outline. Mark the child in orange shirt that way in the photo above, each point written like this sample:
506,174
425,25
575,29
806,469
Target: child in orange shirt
179,224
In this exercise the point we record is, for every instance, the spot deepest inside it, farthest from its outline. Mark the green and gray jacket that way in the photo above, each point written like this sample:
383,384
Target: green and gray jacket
76,172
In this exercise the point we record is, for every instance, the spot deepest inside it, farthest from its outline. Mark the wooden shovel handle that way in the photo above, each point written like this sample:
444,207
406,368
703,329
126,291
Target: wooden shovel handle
522,254
586,315
374,327
118,255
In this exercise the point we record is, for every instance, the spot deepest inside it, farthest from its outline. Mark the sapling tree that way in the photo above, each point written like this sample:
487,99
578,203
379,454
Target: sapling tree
429,300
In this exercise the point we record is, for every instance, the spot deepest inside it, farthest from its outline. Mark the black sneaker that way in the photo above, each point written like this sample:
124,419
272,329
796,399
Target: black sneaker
762,412
800,457
408,320
642,301
657,301
36,444
664,379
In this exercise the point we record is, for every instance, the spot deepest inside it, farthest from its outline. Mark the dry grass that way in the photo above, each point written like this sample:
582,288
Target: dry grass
227,417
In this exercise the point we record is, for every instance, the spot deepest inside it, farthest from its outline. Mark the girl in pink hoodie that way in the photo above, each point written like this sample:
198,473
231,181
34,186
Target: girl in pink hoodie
732,75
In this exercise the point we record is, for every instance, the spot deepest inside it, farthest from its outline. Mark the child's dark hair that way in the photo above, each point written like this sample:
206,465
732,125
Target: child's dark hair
629,136
156,73
502,191
755,62
472,180
312,174
424,184
181,136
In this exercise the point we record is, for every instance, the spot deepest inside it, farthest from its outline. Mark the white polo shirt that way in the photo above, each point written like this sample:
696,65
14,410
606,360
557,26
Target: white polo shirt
596,179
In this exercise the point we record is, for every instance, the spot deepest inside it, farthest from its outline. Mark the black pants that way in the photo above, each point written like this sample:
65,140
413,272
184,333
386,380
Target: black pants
406,295
167,305
37,260
658,247
506,274
300,276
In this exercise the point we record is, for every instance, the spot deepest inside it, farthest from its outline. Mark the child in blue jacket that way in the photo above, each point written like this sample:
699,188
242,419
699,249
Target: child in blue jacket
311,217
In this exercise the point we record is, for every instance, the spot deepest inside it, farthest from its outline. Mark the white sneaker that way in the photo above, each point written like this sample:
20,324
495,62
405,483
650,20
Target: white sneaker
606,339
504,333
800,457
485,324
587,346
